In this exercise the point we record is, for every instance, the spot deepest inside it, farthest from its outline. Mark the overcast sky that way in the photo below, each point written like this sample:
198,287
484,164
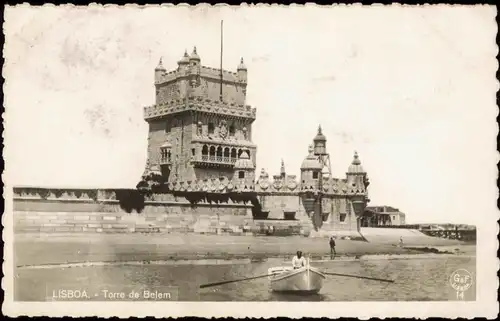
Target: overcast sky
411,89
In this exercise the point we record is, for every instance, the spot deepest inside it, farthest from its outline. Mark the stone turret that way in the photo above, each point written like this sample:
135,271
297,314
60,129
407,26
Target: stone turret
244,170
319,143
310,170
183,63
356,175
159,71
194,59
242,71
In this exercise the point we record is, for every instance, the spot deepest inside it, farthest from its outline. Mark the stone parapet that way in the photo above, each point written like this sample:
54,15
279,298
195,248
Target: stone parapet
221,185
266,186
202,71
199,104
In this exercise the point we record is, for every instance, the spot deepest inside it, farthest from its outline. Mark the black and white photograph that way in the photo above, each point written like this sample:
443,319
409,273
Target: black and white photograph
264,161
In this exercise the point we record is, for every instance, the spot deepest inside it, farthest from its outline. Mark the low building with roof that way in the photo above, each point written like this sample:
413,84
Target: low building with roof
376,216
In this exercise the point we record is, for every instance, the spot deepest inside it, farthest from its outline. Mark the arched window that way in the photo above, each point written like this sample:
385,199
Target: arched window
232,130
233,153
212,151
226,152
219,154
211,128
204,153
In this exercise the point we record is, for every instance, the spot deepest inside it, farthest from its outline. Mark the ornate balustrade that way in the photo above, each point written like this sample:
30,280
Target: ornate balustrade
165,160
217,159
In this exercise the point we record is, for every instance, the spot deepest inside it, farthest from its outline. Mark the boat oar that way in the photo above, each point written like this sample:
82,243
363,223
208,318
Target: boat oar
359,277
232,281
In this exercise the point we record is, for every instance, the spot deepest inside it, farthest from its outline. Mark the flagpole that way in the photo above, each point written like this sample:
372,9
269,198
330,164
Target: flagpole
221,49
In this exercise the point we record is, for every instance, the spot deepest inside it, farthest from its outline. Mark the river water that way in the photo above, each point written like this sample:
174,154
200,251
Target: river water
415,279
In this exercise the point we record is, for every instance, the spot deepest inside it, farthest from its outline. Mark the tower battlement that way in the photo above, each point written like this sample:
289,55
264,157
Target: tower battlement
266,185
203,71
193,80
199,104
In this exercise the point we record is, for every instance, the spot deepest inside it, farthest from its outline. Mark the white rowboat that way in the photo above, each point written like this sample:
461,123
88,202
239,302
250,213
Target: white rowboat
287,279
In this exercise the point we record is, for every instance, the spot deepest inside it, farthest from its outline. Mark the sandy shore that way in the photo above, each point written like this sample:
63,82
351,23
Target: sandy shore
39,249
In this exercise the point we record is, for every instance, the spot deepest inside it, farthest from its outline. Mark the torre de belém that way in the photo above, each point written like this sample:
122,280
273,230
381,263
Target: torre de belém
200,147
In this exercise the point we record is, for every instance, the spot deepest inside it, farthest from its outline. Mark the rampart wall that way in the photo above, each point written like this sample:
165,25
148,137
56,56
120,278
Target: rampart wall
128,211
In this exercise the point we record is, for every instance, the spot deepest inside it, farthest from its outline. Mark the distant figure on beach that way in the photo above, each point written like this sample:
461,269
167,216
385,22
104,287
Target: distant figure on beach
333,253
401,241
298,261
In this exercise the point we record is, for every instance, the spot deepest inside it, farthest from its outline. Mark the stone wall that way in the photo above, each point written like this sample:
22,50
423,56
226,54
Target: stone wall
195,221
339,214
210,88
62,210
121,211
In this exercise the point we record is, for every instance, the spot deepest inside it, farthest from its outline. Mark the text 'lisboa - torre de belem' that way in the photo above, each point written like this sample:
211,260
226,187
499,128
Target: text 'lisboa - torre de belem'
200,141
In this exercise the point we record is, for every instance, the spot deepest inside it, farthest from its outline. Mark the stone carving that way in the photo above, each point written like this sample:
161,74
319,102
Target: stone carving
223,129
200,128
278,183
292,185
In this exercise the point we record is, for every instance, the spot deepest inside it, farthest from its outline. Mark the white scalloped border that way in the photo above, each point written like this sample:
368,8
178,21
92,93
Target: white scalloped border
488,264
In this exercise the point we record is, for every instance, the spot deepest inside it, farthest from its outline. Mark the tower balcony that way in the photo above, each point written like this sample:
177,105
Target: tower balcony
165,161
217,154
214,161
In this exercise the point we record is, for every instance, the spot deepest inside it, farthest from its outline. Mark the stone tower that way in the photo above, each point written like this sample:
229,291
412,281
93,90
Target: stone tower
244,171
356,175
194,131
282,170
322,154
310,172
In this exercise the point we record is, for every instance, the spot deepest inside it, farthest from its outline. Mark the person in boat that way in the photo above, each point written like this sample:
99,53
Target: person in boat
298,260
333,253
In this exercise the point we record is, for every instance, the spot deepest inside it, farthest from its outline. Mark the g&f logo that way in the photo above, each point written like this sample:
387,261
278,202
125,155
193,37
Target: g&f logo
461,281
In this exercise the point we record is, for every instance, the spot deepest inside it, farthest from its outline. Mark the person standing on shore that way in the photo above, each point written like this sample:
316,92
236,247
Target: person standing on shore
333,253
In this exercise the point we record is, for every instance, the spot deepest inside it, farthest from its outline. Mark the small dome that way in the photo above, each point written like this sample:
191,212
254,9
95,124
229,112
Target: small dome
244,162
311,162
185,59
194,55
242,66
160,66
355,166
320,136
166,145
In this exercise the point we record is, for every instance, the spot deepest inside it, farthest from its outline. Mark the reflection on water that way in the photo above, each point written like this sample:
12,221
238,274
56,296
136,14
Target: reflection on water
416,279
